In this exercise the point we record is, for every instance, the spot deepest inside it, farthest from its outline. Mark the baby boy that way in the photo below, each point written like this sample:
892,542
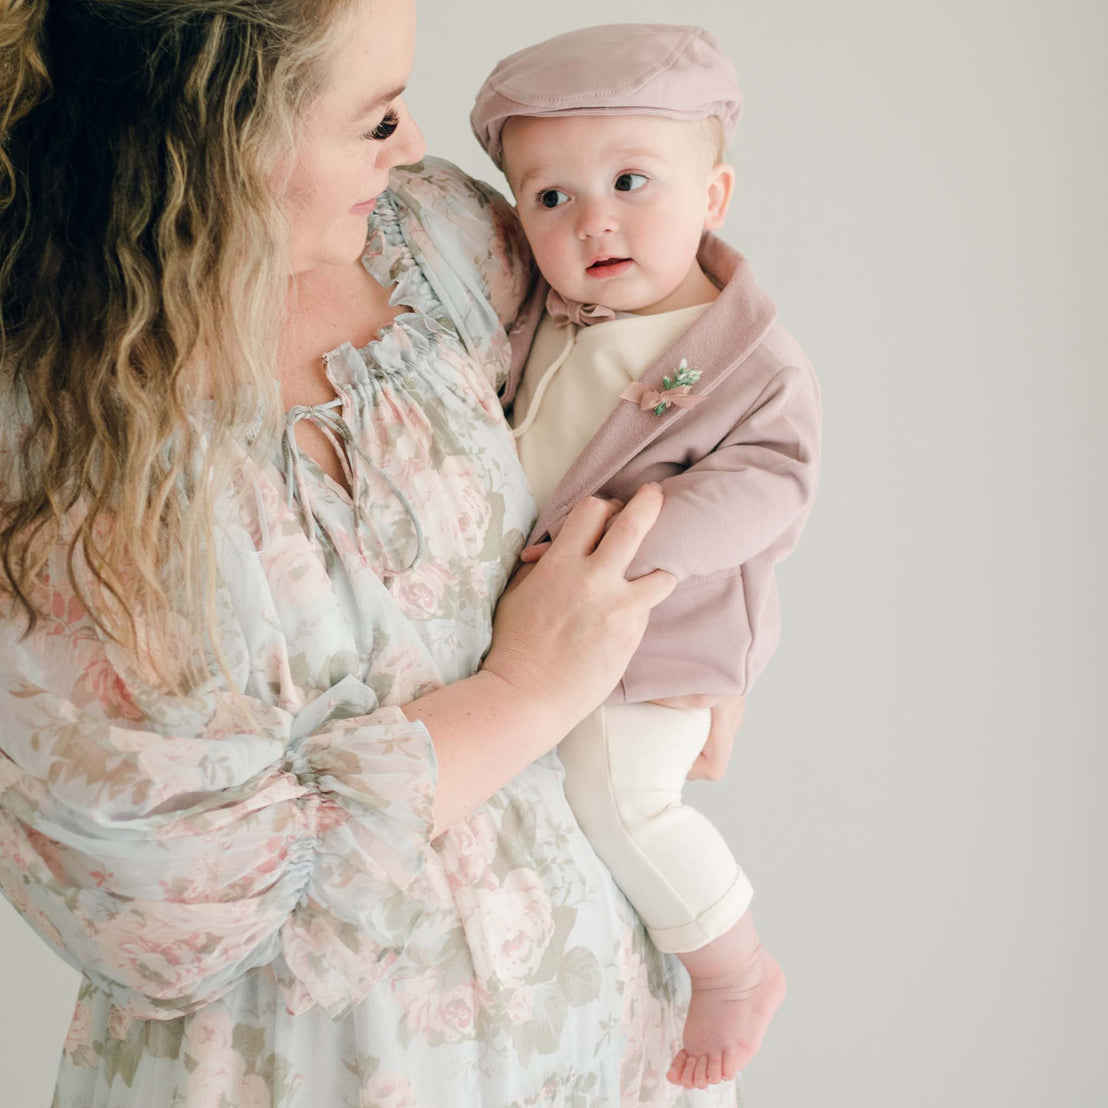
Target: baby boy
648,353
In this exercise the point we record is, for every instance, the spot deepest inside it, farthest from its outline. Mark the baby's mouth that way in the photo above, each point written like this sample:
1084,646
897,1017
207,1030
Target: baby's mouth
603,266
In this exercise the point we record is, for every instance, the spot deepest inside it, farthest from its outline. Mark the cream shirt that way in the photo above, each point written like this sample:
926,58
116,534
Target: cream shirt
572,381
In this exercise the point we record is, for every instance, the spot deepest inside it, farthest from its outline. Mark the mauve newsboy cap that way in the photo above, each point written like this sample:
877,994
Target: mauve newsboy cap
616,69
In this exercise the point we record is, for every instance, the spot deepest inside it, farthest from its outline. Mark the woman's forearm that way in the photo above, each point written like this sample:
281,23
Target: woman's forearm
485,732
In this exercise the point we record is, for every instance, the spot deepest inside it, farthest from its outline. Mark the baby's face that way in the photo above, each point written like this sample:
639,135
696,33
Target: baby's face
614,206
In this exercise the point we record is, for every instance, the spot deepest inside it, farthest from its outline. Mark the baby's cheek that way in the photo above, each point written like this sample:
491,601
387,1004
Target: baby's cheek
553,261
549,250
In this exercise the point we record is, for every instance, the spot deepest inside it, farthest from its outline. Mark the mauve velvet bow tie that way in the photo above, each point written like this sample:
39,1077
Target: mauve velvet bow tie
565,312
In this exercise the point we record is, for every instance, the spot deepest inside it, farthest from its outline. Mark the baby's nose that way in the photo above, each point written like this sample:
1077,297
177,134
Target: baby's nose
595,218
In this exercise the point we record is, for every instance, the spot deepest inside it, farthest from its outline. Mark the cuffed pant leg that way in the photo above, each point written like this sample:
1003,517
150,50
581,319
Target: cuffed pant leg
625,769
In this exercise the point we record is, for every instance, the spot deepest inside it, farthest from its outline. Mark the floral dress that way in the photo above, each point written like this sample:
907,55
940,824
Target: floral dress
248,883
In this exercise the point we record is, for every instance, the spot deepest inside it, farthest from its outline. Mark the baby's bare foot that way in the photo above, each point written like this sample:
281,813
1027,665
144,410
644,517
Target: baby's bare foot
727,1020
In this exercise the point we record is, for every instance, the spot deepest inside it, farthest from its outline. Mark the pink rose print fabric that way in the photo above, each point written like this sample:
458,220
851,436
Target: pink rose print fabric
245,876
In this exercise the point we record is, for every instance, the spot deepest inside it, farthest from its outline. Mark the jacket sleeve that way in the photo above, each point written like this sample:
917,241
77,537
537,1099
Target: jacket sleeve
740,499
167,847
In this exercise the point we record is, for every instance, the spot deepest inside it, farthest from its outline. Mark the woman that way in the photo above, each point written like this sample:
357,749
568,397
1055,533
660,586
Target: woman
257,783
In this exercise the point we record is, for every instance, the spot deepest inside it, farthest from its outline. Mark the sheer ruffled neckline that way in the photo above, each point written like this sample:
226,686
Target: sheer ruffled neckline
405,342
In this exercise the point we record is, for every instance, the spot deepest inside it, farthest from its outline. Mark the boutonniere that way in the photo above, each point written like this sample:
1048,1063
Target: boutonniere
675,391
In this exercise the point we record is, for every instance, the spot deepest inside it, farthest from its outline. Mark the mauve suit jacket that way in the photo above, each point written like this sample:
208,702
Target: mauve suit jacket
739,472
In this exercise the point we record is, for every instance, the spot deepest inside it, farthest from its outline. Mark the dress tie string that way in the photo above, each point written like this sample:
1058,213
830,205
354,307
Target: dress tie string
327,418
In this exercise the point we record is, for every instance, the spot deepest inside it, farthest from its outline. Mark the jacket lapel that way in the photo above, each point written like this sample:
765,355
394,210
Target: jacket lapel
715,344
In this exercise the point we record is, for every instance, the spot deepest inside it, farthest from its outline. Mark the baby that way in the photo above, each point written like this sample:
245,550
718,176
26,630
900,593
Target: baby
648,353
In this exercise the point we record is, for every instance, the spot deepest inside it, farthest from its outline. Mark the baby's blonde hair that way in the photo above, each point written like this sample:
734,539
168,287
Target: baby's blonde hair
142,144
714,139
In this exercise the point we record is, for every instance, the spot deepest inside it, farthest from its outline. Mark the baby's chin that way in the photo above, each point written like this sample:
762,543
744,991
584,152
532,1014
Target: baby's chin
606,292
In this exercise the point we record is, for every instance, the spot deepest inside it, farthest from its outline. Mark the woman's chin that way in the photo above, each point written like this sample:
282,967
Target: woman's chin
339,251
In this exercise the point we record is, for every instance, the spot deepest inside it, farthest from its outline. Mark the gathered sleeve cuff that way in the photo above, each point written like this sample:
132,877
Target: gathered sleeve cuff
372,781
165,863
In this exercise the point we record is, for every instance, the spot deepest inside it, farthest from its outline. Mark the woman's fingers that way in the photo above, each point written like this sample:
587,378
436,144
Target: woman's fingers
619,545
652,588
519,575
530,554
569,622
585,524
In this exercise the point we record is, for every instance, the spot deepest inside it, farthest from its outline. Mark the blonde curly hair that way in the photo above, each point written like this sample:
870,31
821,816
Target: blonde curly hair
143,274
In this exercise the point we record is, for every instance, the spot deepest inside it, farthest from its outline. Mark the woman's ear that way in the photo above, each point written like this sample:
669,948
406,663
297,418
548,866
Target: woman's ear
721,187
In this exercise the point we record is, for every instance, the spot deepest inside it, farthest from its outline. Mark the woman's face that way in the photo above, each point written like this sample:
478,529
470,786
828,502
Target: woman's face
353,134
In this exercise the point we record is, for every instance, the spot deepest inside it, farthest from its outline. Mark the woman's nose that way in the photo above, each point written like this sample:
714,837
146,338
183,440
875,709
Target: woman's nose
410,145
595,218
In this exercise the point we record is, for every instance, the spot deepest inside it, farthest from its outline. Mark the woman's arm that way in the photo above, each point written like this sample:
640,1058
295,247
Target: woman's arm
166,848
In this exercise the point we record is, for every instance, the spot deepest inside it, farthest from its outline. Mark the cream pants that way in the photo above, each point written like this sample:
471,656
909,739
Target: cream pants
625,768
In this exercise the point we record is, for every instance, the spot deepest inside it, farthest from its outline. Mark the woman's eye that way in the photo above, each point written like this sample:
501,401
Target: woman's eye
629,182
384,129
552,198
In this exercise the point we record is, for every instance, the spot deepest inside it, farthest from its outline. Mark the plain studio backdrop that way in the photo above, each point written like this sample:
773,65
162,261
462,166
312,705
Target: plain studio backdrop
916,792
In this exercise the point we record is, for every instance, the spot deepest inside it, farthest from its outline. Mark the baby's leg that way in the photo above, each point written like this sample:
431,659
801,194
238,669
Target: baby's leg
625,768
737,987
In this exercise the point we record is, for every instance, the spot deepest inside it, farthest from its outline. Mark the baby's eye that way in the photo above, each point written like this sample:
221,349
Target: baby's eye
629,182
552,198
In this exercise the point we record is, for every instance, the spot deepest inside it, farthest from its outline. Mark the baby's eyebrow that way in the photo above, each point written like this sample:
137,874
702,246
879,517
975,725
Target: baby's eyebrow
534,174
631,153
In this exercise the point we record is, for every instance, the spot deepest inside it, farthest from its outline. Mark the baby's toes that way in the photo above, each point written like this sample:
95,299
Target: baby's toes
715,1069
700,1074
734,1058
688,1075
677,1067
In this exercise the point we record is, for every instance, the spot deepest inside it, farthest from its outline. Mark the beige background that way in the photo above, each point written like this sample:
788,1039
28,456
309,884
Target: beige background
916,792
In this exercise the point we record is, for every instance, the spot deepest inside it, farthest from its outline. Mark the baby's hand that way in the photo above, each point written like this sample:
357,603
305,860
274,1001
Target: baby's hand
727,717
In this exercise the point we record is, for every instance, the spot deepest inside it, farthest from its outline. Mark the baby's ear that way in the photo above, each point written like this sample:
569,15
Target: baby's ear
721,187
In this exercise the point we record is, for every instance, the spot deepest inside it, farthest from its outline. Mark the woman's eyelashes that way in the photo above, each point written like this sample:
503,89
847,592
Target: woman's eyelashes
625,182
385,128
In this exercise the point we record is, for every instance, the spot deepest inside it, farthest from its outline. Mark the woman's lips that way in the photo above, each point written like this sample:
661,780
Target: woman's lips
364,209
609,267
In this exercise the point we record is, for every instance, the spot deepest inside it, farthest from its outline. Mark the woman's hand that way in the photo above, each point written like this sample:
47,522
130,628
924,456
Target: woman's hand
564,631
568,624
727,717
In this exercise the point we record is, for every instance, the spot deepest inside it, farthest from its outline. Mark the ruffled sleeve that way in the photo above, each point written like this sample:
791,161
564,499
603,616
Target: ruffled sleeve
167,846
471,247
